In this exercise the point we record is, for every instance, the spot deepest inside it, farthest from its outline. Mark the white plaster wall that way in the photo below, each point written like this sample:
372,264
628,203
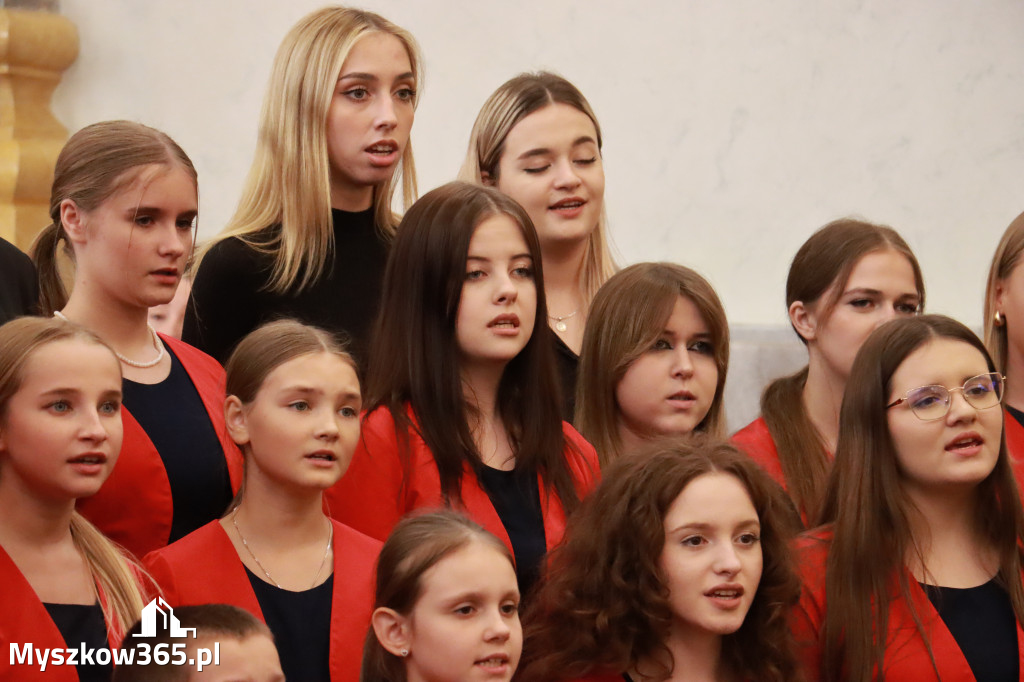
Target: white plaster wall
733,129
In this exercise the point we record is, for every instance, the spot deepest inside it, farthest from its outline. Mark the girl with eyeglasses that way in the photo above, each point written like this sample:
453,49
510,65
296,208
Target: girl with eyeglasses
847,279
924,528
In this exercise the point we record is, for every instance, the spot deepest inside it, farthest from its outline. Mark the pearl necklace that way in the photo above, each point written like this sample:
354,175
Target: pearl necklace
330,542
560,321
157,344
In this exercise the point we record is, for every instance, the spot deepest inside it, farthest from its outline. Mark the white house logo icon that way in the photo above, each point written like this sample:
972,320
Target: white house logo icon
159,609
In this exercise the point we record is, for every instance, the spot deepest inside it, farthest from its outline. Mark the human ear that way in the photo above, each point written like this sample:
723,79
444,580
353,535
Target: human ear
804,320
487,179
234,417
392,630
997,298
73,220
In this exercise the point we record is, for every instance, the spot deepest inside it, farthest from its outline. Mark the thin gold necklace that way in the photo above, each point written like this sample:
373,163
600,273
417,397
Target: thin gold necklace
330,541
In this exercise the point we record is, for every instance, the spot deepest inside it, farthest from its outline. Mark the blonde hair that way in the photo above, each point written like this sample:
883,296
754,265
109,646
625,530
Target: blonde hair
1005,259
513,101
628,315
289,181
97,162
117,576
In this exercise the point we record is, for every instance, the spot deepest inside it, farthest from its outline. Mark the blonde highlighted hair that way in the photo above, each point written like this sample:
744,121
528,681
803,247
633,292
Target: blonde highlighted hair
289,181
117,576
96,163
627,316
1004,261
513,101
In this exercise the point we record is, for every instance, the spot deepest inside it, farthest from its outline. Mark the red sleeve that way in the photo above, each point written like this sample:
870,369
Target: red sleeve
163,581
369,497
808,617
582,459
756,440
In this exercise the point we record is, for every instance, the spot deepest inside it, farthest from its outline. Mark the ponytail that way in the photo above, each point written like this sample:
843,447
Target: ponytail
802,453
53,295
117,576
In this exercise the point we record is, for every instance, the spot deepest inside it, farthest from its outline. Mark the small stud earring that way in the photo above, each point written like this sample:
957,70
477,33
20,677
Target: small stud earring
404,652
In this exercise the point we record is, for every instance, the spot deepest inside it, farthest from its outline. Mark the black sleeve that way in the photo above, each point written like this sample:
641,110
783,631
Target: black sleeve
224,306
19,286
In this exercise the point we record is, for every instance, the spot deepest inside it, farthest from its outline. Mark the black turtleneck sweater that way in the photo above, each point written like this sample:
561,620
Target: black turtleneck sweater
229,296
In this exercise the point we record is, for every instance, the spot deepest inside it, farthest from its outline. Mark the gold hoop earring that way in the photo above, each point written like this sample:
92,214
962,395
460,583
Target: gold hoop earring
998,318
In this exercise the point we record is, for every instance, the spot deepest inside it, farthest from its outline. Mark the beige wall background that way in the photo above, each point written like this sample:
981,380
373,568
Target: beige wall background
733,129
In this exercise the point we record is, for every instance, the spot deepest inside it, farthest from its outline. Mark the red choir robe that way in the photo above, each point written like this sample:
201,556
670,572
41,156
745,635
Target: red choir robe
203,567
372,495
134,506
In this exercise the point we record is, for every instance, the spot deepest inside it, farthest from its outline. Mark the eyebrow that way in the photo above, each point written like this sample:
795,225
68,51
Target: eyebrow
746,523
875,292
484,259
358,75
142,210
544,151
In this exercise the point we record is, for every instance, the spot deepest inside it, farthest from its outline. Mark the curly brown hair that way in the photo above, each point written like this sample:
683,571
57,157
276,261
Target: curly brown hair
604,604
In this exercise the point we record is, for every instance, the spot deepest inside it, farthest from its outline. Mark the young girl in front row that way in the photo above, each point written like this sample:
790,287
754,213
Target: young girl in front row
848,278
64,584
447,606
654,359
676,568
925,524
463,401
293,406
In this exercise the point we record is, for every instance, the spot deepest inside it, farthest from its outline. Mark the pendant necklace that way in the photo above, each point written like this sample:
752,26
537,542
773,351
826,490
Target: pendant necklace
560,321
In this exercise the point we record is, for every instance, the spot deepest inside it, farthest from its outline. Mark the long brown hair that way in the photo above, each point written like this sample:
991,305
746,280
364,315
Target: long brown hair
603,605
289,181
1004,261
415,355
514,100
869,510
627,316
96,163
822,265
116,574
415,544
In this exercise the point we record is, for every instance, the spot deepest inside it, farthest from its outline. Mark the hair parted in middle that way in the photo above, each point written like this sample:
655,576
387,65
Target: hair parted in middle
415,359
604,606
1004,262
415,544
289,181
513,101
268,347
871,513
817,276
627,316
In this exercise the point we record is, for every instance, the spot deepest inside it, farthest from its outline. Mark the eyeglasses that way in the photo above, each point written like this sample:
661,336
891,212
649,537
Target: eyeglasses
929,403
